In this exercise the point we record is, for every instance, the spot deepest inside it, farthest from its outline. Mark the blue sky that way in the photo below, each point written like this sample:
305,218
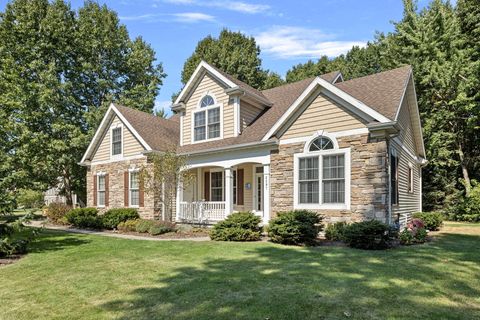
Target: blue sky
288,32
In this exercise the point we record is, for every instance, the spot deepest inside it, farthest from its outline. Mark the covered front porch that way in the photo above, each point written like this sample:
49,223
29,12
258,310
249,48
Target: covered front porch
214,192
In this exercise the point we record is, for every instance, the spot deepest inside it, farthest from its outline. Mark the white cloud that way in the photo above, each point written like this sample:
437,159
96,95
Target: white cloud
287,42
238,6
186,17
163,105
192,17
139,17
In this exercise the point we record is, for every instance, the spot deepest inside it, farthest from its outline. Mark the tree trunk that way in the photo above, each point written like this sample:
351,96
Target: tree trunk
68,189
466,177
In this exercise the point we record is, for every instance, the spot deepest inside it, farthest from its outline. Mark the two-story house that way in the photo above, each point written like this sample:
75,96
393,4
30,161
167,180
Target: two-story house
351,150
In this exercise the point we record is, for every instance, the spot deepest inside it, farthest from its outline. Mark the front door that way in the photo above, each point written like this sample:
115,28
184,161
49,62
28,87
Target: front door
258,203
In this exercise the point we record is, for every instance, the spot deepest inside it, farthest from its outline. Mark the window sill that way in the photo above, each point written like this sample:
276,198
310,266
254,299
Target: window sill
322,206
206,140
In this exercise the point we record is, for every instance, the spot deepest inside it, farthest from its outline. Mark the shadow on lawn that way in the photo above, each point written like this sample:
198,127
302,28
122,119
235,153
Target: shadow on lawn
274,282
51,240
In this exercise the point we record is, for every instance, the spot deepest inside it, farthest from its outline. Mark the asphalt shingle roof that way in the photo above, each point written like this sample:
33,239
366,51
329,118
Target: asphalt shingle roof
382,92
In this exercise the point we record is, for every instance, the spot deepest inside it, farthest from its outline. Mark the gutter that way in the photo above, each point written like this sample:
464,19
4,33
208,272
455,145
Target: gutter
239,91
271,142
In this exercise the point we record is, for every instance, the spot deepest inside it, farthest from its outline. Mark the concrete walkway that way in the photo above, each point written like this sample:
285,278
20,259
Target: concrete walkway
41,224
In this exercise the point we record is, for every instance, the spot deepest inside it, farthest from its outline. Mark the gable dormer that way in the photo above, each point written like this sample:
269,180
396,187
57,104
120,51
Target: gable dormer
214,105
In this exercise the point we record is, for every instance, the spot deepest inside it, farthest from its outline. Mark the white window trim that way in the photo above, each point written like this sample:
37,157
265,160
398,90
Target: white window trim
223,184
117,156
130,171
320,133
101,174
205,109
411,185
320,205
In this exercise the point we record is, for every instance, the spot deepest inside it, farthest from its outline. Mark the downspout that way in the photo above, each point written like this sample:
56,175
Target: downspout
389,192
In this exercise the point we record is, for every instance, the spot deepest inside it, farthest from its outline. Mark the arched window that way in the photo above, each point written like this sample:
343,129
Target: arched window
207,120
321,143
322,174
207,101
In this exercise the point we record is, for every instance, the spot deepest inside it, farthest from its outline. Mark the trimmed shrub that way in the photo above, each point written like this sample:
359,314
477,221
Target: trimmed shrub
415,232
335,231
295,227
143,225
10,246
113,217
56,212
128,226
84,218
239,226
158,228
369,235
154,227
432,220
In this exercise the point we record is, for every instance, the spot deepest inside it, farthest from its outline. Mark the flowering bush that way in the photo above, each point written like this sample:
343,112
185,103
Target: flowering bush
415,232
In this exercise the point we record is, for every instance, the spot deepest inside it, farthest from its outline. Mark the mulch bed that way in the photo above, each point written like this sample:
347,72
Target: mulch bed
10,259
169,235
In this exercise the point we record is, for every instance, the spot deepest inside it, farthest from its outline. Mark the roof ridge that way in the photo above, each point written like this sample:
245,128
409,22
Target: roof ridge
379,73
290,84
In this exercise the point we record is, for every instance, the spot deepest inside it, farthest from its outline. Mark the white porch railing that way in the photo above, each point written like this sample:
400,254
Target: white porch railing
201,211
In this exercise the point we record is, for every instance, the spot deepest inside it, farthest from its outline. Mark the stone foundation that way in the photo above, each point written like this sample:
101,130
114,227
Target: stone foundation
369,180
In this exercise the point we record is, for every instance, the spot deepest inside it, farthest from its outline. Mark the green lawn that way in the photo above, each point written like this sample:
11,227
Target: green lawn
91,277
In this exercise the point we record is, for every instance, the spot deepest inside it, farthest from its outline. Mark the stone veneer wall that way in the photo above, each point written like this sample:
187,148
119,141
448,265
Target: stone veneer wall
116,171
369,180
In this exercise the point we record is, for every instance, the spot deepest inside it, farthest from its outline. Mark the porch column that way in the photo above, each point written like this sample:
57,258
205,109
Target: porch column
228,191
178,200
266,193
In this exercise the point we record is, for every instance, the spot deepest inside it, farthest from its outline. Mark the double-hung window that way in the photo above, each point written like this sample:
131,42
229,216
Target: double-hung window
322,177
101,190
116,141
206,122
216,185
134,189
410,178
235,187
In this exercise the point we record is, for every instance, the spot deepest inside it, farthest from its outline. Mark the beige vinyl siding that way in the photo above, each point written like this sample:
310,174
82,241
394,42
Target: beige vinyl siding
406,134
247,194
408,203
248,113
323,114
131,146
207,85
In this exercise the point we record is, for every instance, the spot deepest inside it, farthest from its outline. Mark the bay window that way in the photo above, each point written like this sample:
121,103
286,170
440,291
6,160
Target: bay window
322,176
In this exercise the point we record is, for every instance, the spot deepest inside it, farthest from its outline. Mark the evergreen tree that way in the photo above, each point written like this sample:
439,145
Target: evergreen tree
233,53
432,42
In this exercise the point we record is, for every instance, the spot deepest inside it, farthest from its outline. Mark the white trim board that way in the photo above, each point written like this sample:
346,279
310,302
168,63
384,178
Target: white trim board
337,134
196,73
320,205
318,82
111,112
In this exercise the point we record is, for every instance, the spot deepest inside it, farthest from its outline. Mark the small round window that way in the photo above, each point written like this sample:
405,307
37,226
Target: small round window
321,143
207,101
